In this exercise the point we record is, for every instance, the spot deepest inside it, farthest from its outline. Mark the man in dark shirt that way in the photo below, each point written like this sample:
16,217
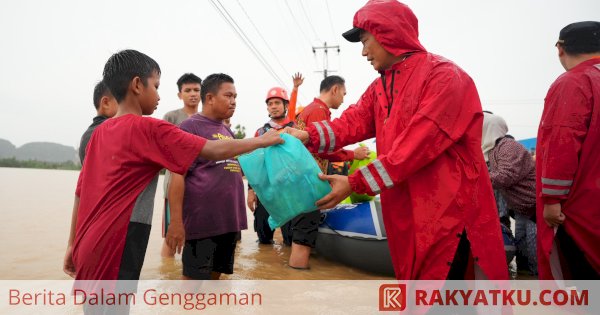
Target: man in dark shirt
106,107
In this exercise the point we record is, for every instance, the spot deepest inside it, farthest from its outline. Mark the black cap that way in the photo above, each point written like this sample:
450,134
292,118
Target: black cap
581,35
353,35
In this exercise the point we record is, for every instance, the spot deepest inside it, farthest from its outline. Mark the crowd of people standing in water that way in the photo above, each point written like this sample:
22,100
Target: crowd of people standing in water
439,160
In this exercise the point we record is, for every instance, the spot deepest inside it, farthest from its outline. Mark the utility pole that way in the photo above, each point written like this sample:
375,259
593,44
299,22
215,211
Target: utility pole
325,57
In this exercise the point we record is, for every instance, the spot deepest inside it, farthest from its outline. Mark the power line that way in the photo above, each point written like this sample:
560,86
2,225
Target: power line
296,43
330,20
263,39
308,19
240,33
296,21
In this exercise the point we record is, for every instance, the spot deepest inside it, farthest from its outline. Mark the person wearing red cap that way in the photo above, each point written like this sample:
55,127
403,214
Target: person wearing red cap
567,164
424,111
282,111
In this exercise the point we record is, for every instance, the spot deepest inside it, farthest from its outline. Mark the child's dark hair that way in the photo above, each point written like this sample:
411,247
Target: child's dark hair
187,78
212,83
330,82
125,65
100,90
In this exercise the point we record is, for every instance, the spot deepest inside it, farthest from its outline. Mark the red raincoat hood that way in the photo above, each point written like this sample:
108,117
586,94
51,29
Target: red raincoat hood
393,24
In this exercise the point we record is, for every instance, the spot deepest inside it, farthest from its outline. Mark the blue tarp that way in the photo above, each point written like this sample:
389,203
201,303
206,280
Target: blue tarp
529,144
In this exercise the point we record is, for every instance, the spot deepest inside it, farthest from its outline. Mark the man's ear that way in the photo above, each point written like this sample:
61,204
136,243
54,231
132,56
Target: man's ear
561,50
136,86
179,95
335,89
209,98
104,102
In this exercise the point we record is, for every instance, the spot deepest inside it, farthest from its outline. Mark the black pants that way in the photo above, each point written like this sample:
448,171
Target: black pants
262,229
575,265
459,266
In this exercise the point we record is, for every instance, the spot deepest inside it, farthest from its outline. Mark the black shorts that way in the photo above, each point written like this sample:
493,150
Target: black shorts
200,257
305,228
134,252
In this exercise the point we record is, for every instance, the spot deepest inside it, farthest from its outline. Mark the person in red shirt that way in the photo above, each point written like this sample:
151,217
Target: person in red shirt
305,226
110,224
425,114
567,164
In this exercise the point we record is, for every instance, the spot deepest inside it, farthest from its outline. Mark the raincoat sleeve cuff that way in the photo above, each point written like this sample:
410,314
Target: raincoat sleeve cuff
550,200
359,184
350,155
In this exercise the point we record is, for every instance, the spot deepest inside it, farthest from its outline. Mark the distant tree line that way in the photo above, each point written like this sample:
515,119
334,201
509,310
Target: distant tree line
240,132
13,162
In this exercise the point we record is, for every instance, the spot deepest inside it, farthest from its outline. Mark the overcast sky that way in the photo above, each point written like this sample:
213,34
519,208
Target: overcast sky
53,53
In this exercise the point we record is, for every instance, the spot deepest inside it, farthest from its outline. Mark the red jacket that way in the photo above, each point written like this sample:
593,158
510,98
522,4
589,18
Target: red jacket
567,163
317,111
430,169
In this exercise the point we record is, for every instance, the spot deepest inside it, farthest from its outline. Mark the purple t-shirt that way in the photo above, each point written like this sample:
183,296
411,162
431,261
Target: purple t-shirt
213,203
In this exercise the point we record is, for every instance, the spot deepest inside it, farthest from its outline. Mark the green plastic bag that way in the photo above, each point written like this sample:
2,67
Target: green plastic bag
356,164
285,178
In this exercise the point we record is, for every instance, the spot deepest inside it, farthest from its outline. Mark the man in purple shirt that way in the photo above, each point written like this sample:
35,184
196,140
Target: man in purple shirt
208,202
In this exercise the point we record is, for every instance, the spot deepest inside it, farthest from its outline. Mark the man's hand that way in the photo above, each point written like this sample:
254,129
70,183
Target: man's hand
300,134
68,266
553,215
175,236
270,138
340,190
361,153
251,200
298,80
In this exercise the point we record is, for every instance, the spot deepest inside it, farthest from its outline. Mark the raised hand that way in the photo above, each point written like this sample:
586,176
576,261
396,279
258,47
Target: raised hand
298,79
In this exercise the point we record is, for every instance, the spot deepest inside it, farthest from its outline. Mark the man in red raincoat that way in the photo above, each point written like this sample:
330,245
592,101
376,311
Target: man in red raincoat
425,113
568,167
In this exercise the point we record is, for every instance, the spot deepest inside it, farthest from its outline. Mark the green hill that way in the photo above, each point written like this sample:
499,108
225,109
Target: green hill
39,151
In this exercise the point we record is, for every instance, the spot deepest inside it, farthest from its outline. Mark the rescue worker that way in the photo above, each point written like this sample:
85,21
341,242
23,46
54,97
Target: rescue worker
567,164
424,111
282,111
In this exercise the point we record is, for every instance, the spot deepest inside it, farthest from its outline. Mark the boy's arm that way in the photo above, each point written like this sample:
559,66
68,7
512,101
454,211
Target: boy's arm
176,233
68,266
227,148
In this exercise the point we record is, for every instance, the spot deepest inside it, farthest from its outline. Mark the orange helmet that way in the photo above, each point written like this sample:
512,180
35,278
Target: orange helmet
277,92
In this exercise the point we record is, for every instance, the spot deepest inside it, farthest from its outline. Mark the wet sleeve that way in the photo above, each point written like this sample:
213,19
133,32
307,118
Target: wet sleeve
171,147
356,124
448,108
340,155
563,130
